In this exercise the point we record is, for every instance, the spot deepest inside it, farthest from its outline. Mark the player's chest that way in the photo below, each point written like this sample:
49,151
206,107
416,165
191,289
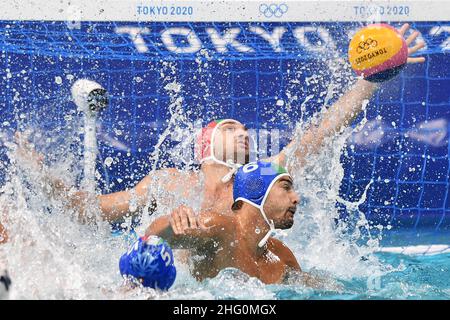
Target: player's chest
267,269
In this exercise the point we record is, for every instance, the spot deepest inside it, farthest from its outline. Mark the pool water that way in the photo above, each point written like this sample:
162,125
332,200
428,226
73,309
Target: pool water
53,256
401,276
409,277
419,275
413,277
82,263
422,275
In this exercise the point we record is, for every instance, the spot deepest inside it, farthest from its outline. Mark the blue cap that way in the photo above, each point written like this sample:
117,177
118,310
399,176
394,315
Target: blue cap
252,184
253,181
150,261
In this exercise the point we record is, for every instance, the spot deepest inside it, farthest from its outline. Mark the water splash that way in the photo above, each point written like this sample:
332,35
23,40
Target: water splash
52,255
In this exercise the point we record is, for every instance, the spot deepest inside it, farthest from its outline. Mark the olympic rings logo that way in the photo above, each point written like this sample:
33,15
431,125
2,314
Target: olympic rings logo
273,10
366,45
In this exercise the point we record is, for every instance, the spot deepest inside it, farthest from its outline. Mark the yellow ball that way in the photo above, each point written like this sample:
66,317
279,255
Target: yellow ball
377,52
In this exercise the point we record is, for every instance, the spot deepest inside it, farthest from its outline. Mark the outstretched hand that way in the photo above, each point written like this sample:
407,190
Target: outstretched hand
411,50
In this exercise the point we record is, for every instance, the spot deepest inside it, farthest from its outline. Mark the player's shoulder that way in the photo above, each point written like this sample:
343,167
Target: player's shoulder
223,224
283,252
214,217
274,243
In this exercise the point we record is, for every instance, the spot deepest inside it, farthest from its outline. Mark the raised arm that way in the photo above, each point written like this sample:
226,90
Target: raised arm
116,205
112,206
338,116
342,113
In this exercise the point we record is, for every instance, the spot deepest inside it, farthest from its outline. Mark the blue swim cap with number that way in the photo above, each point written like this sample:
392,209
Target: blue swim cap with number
253,181
150,261
252,184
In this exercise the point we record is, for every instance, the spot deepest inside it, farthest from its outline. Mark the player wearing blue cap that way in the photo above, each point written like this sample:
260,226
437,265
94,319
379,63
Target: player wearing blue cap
223,146
149,262
264,200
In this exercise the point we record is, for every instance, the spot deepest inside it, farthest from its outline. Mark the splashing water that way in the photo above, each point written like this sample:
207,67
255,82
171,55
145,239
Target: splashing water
317,239
51,255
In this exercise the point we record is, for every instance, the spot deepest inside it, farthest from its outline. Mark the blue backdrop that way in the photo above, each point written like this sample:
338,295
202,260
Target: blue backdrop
404,147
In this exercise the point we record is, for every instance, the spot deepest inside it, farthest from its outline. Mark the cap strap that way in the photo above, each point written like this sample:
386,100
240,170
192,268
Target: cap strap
234,168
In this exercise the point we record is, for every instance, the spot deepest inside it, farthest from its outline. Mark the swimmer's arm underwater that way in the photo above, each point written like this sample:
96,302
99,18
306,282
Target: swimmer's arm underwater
342,113
295,274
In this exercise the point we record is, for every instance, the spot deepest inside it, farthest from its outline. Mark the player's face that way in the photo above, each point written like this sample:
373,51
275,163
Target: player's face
281,203
232,142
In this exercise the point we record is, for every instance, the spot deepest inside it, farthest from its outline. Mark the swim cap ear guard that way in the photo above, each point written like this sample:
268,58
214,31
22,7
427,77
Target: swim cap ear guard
252,184
150,262
205,147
